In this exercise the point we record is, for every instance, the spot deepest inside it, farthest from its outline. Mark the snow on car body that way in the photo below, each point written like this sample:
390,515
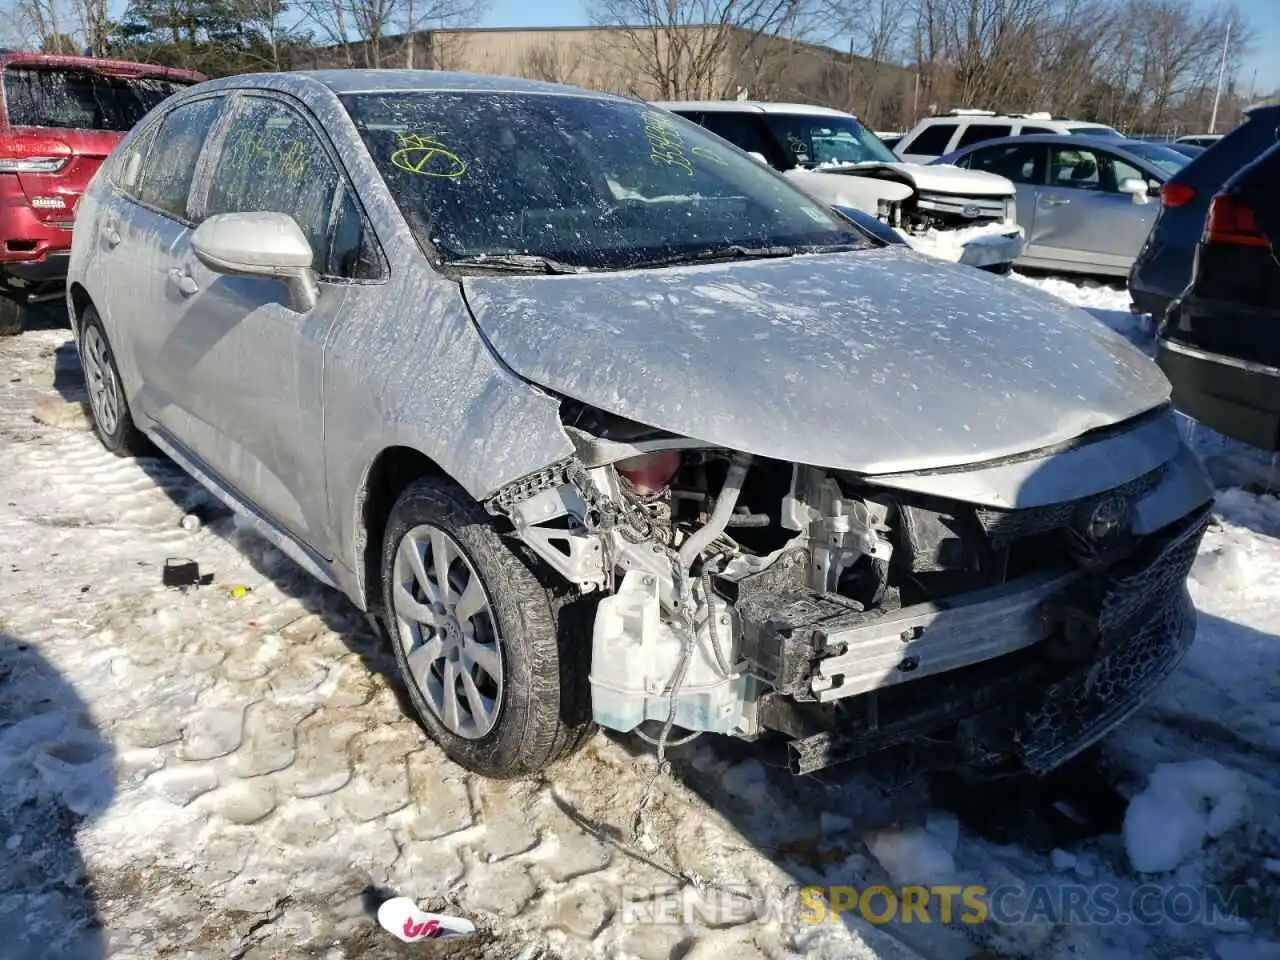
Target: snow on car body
713,460
953,214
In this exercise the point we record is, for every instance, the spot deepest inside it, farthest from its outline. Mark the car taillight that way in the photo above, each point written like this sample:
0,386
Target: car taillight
33,155
652,472
1232,222
1176,194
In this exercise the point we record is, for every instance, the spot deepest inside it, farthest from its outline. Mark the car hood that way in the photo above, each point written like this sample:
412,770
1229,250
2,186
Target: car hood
874,361
933,179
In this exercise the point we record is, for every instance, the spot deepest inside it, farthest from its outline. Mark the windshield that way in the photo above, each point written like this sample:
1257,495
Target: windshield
823,141
1166,158
1094,132
587,182
80,99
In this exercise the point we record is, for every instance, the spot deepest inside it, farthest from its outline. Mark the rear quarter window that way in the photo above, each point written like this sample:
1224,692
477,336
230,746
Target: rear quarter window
931,141
978,132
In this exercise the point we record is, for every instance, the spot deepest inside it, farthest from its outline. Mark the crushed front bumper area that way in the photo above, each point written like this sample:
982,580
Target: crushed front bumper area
1030,674
988,248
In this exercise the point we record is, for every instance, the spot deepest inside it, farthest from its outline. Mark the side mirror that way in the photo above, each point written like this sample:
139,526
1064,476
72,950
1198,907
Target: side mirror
758,156
1136,188
259,245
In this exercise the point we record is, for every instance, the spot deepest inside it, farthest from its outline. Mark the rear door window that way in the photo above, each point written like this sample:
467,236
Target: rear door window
1028,131
1019,162
977,132
171,162
931,141
80,99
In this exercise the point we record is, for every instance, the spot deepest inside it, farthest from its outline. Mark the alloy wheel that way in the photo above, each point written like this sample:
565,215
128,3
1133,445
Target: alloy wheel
100,377
447,631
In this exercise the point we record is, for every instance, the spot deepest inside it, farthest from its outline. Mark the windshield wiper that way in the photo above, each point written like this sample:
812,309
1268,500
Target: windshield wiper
734,251
521,262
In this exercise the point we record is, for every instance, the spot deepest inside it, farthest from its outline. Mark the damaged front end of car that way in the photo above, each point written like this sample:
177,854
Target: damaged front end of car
739,594
958,215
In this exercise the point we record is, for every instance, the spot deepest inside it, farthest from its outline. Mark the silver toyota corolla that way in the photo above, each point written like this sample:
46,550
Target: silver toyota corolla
606,423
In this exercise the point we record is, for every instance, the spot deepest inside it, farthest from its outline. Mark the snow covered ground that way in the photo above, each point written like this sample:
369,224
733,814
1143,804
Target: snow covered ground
227,772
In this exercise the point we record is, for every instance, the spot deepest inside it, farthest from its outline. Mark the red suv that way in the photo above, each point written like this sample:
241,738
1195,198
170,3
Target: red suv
61,117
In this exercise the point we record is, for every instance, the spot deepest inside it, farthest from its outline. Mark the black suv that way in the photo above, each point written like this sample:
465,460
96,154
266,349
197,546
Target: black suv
1163,267
1219,343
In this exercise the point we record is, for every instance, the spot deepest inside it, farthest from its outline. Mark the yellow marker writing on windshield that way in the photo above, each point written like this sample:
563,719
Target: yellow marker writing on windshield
427,157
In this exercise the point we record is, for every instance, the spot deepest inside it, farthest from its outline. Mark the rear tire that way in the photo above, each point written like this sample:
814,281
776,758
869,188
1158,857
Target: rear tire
495,664
13,316
109,406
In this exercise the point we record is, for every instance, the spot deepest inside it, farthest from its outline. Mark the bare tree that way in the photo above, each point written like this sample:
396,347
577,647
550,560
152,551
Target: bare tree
380,33
681,49
550,62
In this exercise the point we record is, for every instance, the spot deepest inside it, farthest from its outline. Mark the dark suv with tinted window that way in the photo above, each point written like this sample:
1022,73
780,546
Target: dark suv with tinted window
61,116
1219,342
1163,268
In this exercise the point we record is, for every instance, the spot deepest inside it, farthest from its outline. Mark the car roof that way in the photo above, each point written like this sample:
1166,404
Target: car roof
1078,140
1003,118
750,106
386,81
99,64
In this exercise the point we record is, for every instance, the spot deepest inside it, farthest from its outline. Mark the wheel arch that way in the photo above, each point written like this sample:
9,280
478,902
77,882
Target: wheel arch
393,469
79,301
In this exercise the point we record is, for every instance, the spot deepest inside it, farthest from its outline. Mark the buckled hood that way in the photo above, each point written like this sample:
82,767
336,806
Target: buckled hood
874,361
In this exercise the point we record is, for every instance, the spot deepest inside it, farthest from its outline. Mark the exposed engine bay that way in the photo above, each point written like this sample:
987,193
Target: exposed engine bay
740,594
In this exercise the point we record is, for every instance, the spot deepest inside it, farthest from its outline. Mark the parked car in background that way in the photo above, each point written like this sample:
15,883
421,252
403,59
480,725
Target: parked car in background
1163,268
935,137
61,117
1200,139
1085,204
1186,149
605,422
1219,342
954,215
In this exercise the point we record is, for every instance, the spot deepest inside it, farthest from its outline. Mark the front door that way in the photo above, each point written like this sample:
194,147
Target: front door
1082,218
252,361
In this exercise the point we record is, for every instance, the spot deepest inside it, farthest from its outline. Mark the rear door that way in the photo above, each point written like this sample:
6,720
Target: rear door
74,113
154,235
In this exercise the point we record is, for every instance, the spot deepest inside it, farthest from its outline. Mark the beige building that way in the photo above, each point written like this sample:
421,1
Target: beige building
687,63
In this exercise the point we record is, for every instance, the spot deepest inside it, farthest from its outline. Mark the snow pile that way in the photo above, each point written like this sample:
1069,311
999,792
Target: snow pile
1109,304
977,246
1183,806
914,855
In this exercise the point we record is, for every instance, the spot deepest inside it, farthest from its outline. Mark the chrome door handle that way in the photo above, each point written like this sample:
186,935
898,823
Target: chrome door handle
112,235
1053,202
185,283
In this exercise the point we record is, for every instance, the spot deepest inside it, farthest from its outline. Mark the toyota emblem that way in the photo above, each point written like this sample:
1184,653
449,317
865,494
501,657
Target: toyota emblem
970,211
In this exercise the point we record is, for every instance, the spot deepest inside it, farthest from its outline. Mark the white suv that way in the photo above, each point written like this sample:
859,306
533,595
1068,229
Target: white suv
935,137
965,216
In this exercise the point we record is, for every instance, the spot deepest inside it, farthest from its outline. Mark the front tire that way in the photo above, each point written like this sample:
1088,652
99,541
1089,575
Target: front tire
493,666
13,317
112,420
